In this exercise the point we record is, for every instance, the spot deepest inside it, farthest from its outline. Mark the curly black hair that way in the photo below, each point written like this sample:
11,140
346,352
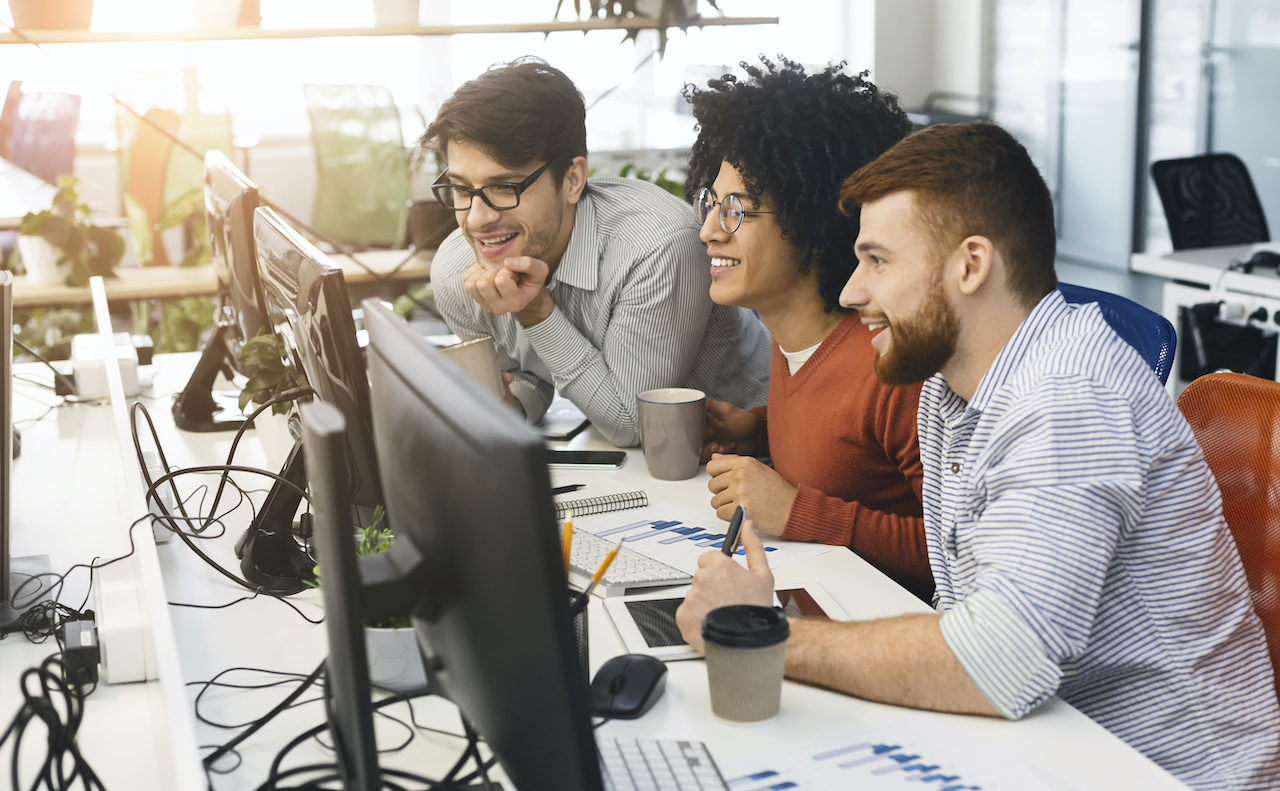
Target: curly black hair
797,137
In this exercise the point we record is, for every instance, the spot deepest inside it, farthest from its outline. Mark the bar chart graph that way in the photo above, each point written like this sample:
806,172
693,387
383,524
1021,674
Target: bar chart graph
882,760
677,536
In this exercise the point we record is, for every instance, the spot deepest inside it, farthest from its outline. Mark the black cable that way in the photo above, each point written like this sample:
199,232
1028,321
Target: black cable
210,759
260,590
58,704
67,383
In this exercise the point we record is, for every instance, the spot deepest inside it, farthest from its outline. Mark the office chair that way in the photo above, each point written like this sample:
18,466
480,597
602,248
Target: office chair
10,110
190,104
1149,333
1236,420
1209,201
362,167
42,139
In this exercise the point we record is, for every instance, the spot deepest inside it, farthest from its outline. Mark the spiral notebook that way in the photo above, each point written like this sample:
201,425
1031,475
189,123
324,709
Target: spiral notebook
601,505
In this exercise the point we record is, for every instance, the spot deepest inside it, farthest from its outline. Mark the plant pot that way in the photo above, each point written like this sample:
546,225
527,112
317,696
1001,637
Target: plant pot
51,14
388,13
653,8
213,14
395,661
274,436
40,259
429,224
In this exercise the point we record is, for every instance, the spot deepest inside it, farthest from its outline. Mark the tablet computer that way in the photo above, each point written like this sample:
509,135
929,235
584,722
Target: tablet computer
647,621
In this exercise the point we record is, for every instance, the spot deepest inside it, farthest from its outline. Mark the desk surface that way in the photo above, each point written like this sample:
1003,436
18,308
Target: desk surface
164,282
266,634
1208,266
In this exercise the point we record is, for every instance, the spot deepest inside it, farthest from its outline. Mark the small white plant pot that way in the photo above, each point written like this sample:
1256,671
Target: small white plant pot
389,13
41,260
395,661
273,435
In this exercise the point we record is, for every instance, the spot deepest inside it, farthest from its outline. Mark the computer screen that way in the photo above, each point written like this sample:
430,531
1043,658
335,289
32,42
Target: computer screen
6,440
468,492
229,199
15,572
310,313
347,695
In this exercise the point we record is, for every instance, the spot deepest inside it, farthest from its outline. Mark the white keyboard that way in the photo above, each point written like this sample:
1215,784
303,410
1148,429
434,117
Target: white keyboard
629,569
657,765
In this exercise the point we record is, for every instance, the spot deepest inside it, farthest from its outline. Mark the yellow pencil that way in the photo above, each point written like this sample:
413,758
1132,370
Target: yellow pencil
566,541
583,597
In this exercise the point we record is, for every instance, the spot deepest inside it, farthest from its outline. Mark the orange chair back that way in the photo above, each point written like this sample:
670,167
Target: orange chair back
1236,420
148,165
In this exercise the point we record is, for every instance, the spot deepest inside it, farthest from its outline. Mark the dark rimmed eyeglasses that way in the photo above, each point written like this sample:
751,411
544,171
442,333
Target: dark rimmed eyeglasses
499,197
731,210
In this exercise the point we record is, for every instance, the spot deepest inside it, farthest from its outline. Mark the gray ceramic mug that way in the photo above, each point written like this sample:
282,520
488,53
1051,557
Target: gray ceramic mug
671,423
479,359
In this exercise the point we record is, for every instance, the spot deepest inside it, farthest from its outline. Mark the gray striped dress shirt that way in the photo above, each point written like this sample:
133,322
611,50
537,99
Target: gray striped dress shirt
1079,549
632,313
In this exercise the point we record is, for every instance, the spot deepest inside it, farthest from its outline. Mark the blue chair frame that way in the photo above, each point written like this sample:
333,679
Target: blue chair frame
1149,333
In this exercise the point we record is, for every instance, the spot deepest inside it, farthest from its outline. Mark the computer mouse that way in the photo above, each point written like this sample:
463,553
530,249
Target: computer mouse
1264,259
627,686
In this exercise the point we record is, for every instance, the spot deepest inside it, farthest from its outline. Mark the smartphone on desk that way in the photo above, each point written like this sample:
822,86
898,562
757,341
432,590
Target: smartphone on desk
585,459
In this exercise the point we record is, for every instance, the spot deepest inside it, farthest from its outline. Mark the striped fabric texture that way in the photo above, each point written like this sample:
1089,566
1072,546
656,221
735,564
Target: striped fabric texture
1077,542
633,312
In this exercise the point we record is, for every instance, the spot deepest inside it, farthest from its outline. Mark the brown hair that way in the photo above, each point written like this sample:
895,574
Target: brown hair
518,112
970,179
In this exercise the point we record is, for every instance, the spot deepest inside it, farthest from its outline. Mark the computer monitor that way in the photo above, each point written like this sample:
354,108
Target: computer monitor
348,703
229,201
15,573
476,562
308,309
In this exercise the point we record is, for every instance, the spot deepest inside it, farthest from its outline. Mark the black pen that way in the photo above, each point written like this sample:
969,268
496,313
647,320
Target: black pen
735,525
573,487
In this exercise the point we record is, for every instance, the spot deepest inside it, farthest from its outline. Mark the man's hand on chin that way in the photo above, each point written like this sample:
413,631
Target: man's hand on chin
721,581
518,287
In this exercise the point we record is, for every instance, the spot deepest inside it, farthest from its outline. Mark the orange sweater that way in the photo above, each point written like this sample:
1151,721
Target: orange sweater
849,444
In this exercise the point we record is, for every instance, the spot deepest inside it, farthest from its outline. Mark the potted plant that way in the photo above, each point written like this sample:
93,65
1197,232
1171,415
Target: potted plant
263,356
395,660
668,12
62,243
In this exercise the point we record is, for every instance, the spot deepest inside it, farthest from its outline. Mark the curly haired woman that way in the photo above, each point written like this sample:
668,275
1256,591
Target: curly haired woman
765,175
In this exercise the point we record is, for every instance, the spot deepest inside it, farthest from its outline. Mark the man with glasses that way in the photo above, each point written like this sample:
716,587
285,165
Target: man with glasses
595,287
845,459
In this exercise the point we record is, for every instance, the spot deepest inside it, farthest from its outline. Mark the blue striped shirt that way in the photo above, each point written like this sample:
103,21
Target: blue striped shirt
633,312
1078,545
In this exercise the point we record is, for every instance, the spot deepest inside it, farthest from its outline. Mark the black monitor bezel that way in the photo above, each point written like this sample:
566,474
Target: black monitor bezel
467,486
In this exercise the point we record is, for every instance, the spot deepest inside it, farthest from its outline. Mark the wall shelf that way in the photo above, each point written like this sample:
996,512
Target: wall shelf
252,33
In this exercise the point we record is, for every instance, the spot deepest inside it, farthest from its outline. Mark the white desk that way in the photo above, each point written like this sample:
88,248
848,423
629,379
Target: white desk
1204,276
21,192
266,634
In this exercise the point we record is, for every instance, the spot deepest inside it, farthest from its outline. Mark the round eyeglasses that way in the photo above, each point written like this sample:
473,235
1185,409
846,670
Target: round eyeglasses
499,197
731,210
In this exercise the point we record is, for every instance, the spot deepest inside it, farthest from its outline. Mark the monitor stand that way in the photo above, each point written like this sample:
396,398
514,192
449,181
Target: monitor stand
269,554
21,570
199,407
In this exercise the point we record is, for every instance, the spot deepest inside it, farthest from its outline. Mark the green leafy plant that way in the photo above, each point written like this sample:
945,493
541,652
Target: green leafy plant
262,355
186,209
658,176
374,539
670,12
89,249
48,331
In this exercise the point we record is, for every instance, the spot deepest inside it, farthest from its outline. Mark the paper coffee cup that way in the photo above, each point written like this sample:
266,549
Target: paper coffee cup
746,648
671,421
479,359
